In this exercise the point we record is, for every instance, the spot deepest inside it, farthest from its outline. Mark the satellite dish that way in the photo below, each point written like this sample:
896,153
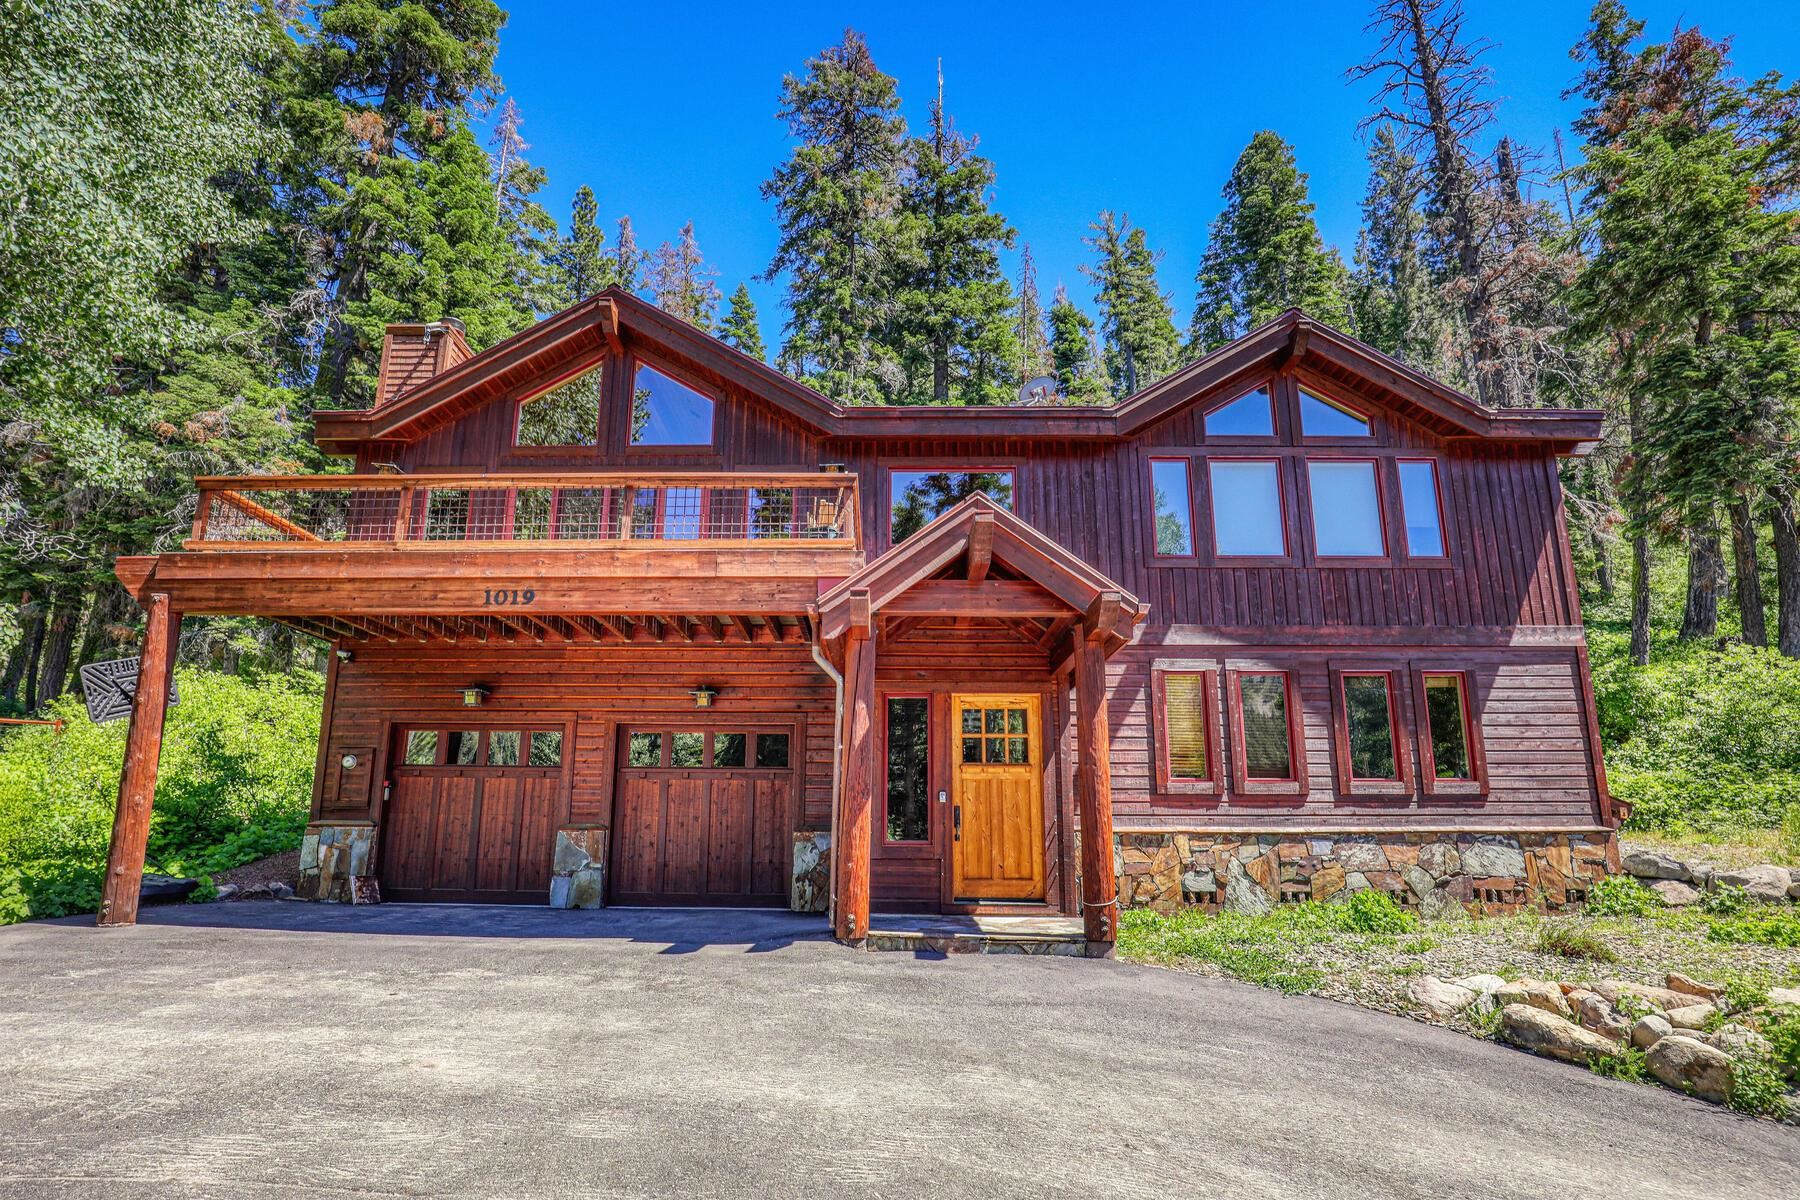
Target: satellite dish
1041,390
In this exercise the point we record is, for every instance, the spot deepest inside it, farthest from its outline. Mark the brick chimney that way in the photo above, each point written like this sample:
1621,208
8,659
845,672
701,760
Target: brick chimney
413,352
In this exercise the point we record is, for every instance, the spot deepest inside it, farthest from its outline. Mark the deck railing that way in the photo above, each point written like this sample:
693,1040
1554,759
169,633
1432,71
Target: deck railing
423,511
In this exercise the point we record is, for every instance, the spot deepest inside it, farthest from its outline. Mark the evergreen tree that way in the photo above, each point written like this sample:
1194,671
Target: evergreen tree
1033,338
1136,322
681,284
529,232
581,263
836,200
740,329
952,332
629,264
1265,254
1395,307
1080,371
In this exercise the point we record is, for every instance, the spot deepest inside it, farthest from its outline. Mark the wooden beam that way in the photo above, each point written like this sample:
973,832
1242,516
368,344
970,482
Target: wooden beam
143,750
745,627
1103,614
981,546
1054,633
273,520
1093,799
678,626
856,807
608,314
986,598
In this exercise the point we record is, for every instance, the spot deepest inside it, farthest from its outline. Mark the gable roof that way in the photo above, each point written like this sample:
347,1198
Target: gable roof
585,331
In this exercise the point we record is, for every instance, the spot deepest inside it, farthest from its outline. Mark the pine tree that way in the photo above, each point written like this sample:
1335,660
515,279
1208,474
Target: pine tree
1033,339
1394,304
740,329
629,264
1080,372
582,265
681,284
1265,254
529,231
952,332
1136,322
836,200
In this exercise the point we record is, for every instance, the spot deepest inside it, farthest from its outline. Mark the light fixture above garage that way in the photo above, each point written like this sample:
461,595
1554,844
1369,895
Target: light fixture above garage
704,695
474,695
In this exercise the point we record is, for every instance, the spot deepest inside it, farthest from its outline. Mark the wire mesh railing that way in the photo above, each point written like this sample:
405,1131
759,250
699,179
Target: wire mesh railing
344,510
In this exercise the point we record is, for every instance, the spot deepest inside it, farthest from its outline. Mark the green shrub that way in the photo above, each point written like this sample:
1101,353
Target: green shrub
1370,911
1628,1064
1757,1086
1572,942
1771,926
234,784
1622,896
1790,832
1725,901
1782,1028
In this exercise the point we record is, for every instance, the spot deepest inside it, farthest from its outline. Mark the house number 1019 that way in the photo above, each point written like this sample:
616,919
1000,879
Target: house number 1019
508,596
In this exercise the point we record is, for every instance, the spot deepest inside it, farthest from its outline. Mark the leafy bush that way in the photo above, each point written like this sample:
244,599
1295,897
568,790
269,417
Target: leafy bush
1775,925
1622,896
234,785
1370,911
1572,942
1725,901
1790,831
1757,1086
1628,1064
1782,1028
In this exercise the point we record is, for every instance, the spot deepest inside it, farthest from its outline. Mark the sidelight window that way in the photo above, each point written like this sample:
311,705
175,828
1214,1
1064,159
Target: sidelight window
1174,517
908,766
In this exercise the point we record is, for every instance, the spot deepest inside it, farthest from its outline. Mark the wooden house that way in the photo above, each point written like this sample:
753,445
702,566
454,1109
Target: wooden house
620,615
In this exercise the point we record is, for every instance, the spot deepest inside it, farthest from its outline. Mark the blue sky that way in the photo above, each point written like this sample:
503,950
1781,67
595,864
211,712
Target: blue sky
667,111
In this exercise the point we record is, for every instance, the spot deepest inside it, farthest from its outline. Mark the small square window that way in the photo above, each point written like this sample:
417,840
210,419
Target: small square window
971,749
971,720
728,749
461,747
644,750
421,747
503,748
772,751
688,750
546,747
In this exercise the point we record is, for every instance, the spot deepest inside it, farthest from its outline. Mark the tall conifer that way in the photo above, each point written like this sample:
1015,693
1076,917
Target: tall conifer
1136,322
740,328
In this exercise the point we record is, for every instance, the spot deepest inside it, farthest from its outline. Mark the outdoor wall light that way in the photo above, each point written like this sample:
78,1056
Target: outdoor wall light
703,695
343,655
474,695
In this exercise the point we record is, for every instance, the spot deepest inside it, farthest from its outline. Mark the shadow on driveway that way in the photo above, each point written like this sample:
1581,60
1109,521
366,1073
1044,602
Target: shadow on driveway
676,930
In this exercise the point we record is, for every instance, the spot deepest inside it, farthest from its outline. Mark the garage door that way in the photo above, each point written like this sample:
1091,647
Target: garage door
472,814
703,816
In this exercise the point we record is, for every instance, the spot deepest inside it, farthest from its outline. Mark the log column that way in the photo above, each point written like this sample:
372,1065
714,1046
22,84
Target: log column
1093,798
137,783
856,810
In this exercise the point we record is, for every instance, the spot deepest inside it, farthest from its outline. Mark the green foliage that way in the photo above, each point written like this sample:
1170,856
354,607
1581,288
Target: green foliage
1570,941
1074,352
1136,322
1622,896
1782,1029
234,785
1627,1064
1790,831
1772,925
740,329
1725,901
681,284
1368,911
1757,1086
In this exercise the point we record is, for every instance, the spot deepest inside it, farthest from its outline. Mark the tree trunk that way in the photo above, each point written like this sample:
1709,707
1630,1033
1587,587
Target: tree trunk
1603,571
14,674
1706,576
1640,599
59,643
111,607
1787,572
1748,571
34,642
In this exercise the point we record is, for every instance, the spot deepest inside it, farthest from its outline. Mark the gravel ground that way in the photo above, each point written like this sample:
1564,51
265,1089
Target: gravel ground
277,868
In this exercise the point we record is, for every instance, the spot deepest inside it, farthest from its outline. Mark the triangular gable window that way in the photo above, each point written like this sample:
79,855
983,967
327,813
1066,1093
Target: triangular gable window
1250,415
565,415
667,412
1320,417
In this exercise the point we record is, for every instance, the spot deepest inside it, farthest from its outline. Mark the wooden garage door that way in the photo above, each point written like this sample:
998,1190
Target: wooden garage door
703,817
472,814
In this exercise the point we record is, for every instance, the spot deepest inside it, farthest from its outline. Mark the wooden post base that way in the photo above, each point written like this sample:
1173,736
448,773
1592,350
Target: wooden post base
137,782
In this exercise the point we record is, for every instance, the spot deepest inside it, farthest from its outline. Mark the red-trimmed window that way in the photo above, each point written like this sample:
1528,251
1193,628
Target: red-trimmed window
666,411
917,496
1249,511
1186,715
1451,759
566,413
1171,508
1372,757
1346,508
1268,751
1323,418
1250,415
1421,508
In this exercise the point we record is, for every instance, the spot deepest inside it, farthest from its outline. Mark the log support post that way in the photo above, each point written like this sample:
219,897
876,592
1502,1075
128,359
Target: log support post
1093,798
137,783
856,808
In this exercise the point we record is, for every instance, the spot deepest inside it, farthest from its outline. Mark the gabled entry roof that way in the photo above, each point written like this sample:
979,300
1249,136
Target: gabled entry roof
1011,571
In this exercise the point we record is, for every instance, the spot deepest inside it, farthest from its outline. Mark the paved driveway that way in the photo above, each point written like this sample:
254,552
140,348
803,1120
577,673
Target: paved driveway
286,1049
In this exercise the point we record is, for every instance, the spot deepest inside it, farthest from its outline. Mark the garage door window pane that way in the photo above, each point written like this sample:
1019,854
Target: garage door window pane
461,747
546,748
728,749
645,750
503,748
772,750
421,747
688,750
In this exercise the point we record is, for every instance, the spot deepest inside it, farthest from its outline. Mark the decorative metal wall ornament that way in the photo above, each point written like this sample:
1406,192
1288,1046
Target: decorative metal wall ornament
111,686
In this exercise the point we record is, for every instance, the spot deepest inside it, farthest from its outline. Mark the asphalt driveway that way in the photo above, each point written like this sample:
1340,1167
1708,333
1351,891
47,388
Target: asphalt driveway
287,1049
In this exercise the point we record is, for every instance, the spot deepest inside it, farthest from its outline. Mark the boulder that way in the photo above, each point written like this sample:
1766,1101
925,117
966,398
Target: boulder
1596,1013
1481,984
225,891
1438,998
1766,882
165,888
1778,996
1690,1065
1656,997
1674,893
1693,1016
1494,857
1533,993
1693,987
1650,1030
1544,1033
1243,894
1738,1041
1653,864
281,891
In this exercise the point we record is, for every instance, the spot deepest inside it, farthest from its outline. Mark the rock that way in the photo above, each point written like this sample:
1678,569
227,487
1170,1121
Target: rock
281,891
1199,881
1693,1016
1689,1065
1650,1030
1661,998
1494,856
226,891
1440,858
1738,1041
1481,985
1533,993
1653,864
1420,881
1693,987
1779,996
1242,895
1442,1000
1595,1013
166,888
1766,882
1361,856
1543,1033
1675,893
1441,904
1327,881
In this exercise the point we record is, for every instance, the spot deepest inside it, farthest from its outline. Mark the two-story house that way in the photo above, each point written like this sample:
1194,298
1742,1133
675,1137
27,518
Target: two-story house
620,615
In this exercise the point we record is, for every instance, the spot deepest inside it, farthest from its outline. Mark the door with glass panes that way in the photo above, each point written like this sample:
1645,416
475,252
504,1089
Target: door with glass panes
997,820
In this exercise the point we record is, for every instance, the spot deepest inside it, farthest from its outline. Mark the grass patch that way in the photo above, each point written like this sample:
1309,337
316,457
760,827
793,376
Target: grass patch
1628,1064
1622,896
1770,926
1570,941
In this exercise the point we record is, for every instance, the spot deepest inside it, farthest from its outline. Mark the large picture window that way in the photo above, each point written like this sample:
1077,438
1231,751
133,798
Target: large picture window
1187,731
919,495
565,415
1247,516
1268,754
667,412
908,766
1169,496
1346,509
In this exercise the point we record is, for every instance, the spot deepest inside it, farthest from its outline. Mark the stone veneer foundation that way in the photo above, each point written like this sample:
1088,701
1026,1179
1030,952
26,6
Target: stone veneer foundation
1435,873
336,863
811,889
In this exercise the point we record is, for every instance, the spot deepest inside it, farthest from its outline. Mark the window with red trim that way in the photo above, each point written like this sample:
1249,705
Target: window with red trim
1185,711
1451,759
1249,516
906,737
1268,753
1372,756
1171,507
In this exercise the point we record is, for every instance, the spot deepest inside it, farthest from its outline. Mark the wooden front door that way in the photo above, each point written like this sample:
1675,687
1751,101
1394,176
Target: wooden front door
997,824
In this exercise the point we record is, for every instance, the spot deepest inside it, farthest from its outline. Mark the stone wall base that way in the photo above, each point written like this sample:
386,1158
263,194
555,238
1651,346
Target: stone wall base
578,868
337,863
811,889
1436,874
